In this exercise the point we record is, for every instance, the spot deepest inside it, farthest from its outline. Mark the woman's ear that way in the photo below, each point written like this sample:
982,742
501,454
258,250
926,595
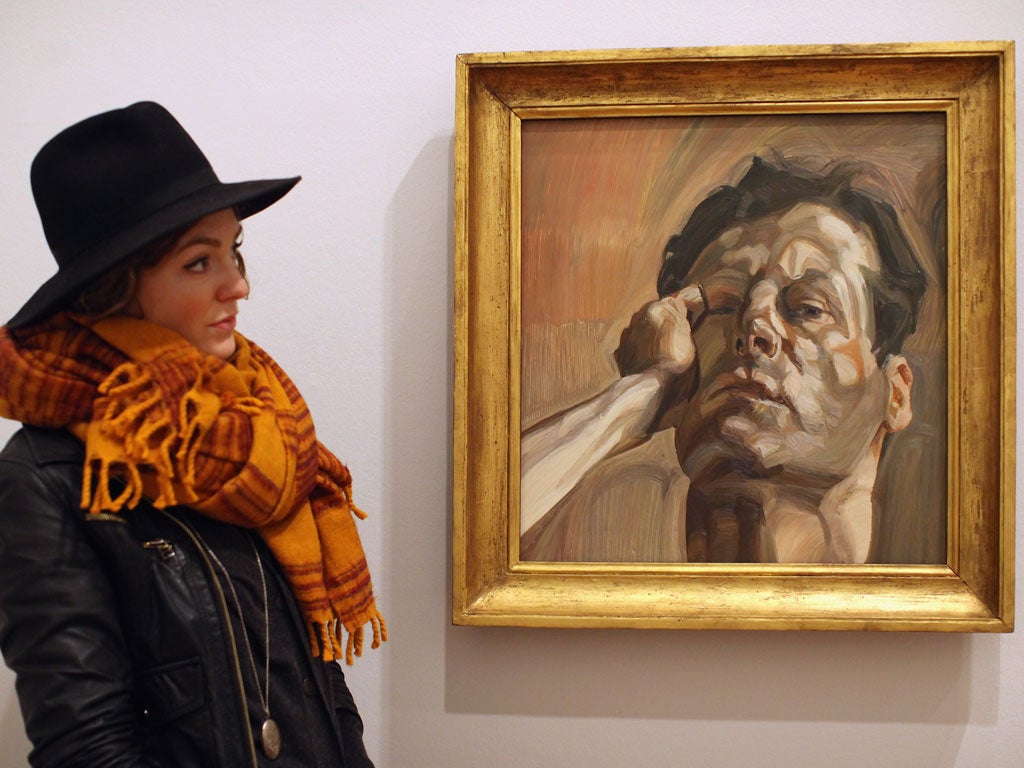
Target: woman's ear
901,378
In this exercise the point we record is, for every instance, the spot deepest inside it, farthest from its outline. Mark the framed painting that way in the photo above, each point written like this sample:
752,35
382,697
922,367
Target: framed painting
734,338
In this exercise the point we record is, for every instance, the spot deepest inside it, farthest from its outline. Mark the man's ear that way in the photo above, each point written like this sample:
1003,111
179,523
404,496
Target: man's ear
901,378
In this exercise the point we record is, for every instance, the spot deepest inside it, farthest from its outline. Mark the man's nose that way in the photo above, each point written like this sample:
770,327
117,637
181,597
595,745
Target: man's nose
759,323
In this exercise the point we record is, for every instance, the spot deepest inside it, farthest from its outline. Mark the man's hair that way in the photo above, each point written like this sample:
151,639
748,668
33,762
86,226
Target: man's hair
896,290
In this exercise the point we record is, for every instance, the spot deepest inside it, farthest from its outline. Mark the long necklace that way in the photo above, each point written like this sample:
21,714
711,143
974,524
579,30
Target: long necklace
270,735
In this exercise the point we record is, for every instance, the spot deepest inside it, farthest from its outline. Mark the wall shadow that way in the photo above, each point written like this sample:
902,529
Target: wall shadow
723,675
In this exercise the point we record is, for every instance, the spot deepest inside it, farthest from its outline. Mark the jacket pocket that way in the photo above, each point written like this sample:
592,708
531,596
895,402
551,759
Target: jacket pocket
170,691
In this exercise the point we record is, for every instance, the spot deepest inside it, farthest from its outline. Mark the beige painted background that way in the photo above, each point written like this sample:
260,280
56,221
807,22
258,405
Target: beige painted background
600,199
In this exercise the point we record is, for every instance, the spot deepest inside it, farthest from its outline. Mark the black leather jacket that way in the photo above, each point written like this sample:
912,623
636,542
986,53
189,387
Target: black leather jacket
123,655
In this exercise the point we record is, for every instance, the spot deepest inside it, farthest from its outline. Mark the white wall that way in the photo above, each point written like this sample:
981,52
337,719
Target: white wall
352,293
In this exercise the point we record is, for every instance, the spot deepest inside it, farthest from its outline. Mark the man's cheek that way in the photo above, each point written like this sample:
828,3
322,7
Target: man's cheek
846,358
712,342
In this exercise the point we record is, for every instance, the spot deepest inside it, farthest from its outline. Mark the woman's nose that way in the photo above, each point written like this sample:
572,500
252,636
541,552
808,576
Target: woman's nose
234,287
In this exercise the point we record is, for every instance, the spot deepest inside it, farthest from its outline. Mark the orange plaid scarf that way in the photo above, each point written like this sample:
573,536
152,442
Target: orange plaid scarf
231,440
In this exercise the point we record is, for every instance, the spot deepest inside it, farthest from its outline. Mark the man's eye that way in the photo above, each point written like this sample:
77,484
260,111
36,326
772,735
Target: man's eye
723,303
808,312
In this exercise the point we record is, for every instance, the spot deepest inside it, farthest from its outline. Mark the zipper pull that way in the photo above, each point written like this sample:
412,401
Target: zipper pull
162,546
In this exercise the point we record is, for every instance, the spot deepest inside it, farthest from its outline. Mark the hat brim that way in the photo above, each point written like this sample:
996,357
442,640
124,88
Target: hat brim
246,197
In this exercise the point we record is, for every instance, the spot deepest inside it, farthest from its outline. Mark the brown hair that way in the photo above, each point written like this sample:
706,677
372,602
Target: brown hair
112,292
896,290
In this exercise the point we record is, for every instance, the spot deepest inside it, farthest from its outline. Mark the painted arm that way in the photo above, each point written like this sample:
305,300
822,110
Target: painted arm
656,361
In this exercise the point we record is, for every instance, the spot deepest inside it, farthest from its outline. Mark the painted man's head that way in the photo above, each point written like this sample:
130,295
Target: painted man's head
809,290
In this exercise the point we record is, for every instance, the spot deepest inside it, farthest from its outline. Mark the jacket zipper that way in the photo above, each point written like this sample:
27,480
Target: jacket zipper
158,544
162,546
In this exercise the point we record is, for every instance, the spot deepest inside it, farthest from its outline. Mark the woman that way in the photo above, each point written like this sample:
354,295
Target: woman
178,555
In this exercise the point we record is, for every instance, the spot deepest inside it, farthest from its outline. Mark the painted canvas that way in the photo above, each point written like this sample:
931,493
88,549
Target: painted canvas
733,339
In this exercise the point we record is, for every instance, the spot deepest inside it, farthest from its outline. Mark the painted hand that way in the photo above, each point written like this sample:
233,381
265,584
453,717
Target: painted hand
659,338
659,334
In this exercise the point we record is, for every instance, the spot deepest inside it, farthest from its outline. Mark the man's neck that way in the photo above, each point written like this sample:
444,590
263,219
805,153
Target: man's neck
785,518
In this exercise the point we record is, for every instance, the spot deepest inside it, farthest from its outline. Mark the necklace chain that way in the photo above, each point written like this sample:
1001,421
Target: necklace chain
270,736
264,698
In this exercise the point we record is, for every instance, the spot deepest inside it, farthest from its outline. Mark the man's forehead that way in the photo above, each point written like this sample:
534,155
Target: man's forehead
808,236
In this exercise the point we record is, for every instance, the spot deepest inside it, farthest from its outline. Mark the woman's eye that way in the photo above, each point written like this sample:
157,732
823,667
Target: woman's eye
198,265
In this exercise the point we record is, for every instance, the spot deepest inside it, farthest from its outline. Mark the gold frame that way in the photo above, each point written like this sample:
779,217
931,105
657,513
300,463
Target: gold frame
973,84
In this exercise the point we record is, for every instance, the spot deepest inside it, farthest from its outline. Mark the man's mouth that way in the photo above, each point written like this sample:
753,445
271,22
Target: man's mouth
751,387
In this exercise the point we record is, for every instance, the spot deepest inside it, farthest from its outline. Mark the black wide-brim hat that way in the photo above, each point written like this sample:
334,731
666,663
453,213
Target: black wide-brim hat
111,184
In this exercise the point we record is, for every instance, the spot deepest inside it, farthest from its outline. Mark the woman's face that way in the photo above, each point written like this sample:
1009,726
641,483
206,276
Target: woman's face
194,290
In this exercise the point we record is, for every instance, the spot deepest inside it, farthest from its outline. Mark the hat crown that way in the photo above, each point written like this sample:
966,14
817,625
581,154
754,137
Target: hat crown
105,173
113,183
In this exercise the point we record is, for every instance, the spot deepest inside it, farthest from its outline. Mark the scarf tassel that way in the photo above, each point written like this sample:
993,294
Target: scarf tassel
130,432
325,638
143,434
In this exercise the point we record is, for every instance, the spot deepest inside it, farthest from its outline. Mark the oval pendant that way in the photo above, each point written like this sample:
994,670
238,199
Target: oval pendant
270,739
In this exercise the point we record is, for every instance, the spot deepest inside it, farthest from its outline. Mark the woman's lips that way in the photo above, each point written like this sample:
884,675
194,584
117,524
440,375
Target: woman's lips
227,324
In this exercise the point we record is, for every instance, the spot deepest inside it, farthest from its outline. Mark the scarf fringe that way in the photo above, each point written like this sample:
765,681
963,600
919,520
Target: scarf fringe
133,435
325,637
135,424
232,440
